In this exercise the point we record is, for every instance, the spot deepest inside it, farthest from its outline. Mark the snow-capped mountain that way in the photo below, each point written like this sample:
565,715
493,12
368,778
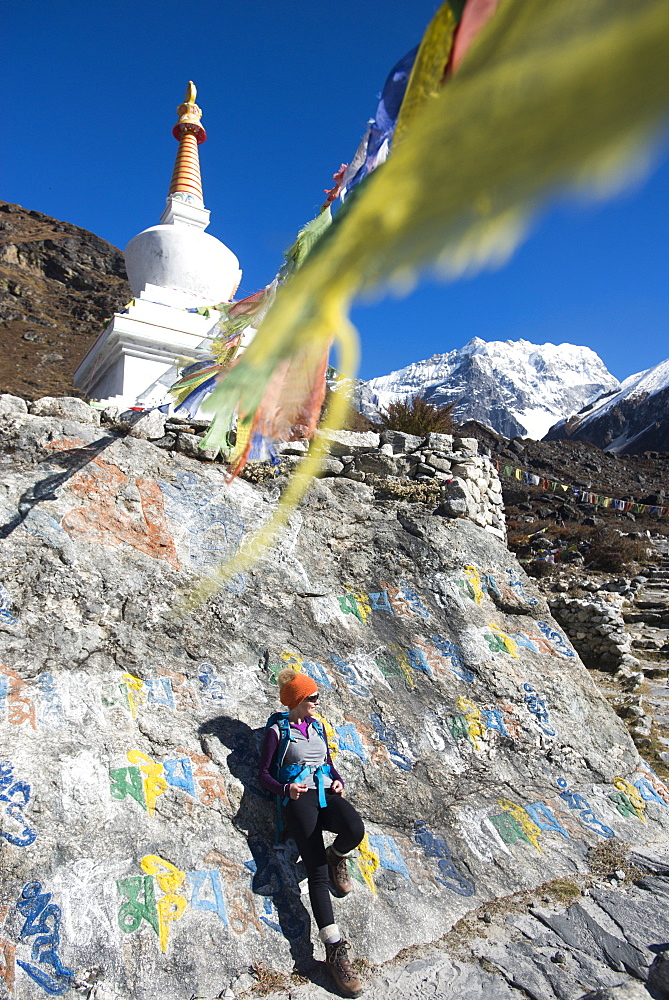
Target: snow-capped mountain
517,388
633,419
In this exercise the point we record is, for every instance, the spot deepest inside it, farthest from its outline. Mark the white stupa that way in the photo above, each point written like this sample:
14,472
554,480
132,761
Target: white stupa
172,268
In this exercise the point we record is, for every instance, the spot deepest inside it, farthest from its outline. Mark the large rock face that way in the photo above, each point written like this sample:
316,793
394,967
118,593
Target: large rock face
137,847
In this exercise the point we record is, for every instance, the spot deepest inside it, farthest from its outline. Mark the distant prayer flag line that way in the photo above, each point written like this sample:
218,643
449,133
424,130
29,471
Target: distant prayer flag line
585,496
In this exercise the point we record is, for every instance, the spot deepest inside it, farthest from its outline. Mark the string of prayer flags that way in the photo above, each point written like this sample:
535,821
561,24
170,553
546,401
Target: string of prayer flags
530,479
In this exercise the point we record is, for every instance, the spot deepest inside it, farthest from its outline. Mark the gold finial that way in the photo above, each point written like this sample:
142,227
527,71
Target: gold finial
189,117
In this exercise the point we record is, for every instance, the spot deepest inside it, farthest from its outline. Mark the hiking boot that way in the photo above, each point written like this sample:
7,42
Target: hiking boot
339,871
341,969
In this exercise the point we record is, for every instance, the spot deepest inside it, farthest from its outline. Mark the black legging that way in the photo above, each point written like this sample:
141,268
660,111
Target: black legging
306,823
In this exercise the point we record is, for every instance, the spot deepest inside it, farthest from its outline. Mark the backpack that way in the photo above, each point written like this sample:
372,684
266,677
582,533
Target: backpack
288,773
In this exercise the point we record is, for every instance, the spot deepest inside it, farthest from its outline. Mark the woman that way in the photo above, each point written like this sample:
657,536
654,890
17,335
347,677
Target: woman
312,789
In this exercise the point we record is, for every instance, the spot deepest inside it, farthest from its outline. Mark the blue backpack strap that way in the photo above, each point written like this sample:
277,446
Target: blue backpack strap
320,729
284,738
324,769
280,719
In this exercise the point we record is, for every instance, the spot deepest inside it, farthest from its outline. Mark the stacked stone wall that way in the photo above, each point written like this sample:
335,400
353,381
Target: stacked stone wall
597,630
463,483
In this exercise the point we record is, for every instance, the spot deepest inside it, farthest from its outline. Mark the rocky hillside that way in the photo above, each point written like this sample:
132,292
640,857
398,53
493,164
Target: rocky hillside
494,779
642,478
58,284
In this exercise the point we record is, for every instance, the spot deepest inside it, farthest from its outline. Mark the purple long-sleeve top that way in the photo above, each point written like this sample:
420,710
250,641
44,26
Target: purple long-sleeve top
270,749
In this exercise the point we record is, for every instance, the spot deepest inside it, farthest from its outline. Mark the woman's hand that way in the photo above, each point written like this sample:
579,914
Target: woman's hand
337,787
296,790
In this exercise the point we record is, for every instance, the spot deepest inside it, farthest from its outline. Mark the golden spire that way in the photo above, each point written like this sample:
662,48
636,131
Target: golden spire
186,178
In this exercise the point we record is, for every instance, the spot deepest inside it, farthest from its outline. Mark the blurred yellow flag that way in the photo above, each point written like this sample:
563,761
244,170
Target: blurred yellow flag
553,94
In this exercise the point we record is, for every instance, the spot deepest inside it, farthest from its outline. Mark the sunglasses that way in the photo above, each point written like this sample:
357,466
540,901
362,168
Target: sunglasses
313,698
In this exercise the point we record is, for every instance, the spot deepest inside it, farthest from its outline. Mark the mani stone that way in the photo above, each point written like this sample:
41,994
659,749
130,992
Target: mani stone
136,681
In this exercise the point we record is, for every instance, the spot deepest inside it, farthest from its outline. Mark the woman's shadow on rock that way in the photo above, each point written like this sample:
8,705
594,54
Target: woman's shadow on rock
273,869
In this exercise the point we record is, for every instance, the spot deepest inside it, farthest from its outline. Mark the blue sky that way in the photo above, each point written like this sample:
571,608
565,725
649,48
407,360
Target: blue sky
286,89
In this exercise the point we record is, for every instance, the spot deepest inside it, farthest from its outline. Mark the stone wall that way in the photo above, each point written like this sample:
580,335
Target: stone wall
468,732
466,483
597,629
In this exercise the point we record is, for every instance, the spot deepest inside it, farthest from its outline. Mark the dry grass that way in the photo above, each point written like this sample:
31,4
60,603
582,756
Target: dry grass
612,856
562,891
271,981
259,472
405,489
611,553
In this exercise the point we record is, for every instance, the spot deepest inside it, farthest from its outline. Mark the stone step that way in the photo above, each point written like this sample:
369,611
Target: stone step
649,617
651,605
654,656
655,671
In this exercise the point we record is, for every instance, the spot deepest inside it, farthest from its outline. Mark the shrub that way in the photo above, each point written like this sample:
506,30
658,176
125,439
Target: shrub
610,553
539,569
416,416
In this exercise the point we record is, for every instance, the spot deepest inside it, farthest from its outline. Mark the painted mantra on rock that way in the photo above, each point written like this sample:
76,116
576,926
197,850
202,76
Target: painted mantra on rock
435,658
215,530
6,616
358,670
163,894
101,521
475,584
402,601
42,922
14,797
144,780
16,700
171,689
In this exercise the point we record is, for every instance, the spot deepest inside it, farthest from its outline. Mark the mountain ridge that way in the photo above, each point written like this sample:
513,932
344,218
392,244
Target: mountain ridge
512,386
632,419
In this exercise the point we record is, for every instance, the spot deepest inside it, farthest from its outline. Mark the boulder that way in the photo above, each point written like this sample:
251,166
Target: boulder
456,489
452,508
136,683
379,464
440,464
401,443
440,442
468,446
12,404
149,425
331,467
69,407
658,974
352,442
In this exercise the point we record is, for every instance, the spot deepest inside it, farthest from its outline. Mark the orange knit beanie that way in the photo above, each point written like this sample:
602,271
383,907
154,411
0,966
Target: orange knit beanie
294,687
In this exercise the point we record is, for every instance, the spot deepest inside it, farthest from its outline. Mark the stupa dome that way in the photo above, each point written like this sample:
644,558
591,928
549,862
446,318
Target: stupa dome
182,257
